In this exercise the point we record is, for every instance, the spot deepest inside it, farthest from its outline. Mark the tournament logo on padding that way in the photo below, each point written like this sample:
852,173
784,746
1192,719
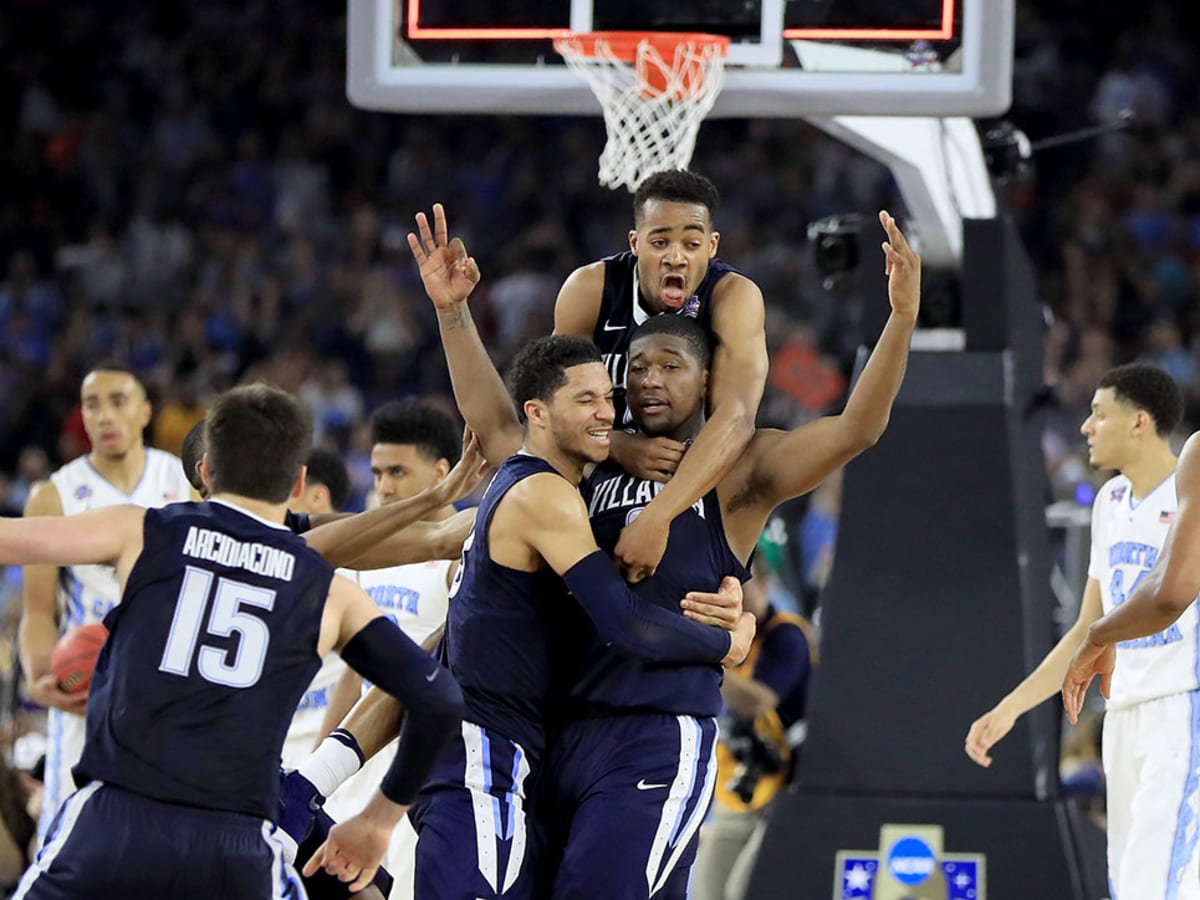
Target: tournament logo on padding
909,865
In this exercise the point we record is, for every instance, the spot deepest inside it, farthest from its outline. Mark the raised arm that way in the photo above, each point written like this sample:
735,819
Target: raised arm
1161,597
736,380
783,465
548,515
450,275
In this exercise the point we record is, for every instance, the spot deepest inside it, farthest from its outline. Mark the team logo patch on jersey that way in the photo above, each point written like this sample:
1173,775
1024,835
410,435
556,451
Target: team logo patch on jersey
83,492
1117,494
633,514
691,309
1166,517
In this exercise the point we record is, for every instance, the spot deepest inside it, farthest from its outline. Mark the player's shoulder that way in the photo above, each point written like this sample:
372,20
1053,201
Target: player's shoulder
584,281
543,496
1115,490
44,499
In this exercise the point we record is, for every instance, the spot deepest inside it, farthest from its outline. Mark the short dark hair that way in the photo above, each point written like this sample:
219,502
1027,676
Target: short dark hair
540,368
676,186
256,438
112,365
326,467
684,327
420,424
1150,389
191,451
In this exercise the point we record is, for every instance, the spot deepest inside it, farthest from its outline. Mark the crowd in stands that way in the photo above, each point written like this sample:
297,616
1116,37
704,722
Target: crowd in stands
185,189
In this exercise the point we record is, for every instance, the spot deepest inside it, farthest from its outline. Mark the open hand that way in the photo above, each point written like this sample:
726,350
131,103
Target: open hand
985,731
903,268
1089,661
722,609
448,273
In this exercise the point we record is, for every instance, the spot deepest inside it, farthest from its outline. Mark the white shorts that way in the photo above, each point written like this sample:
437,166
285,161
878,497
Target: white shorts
1152,770
349,799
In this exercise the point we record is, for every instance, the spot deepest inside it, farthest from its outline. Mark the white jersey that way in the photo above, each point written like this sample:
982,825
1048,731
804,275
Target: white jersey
416,598
87,593
1127,537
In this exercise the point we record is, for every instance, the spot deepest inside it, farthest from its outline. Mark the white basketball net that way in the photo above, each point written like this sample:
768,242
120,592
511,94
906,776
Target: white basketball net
652,107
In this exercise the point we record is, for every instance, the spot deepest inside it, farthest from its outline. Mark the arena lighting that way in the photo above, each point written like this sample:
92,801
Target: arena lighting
414,31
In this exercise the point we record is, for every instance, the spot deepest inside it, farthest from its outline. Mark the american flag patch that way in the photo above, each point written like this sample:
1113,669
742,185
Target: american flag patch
1166,517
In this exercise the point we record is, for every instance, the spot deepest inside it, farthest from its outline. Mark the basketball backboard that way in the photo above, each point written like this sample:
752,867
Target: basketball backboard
788,58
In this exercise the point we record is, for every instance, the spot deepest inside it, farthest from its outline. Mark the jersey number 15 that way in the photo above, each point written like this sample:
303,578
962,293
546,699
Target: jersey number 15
228,617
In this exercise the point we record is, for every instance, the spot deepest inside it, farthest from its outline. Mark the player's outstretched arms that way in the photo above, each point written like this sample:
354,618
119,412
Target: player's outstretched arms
394,534
549,514
449,276
1040,685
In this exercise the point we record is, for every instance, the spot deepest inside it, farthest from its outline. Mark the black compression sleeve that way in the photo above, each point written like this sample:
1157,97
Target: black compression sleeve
635,626
433,703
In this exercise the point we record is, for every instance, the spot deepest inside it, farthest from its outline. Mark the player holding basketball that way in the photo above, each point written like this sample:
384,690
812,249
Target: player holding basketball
671,268
225,611
633,746
118,469
1151,780
1144,555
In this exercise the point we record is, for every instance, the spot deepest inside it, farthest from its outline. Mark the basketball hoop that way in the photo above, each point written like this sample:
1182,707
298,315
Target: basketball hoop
655,89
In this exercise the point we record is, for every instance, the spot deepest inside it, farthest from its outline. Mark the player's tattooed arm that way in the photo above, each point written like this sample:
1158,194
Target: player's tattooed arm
449,275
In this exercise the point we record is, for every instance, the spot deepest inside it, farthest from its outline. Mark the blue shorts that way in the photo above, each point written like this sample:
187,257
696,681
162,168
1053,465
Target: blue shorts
474,839
107,842
623,798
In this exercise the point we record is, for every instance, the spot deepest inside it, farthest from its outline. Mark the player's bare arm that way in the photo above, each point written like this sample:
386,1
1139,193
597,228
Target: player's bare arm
389,535
577,306
38,630
1041,684
544,518
109,536
736,380
1161,598
781,465
449,276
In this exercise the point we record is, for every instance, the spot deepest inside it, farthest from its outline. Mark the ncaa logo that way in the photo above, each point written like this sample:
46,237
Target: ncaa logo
911,860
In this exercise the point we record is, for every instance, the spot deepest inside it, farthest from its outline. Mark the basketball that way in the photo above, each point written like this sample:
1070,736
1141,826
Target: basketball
74,657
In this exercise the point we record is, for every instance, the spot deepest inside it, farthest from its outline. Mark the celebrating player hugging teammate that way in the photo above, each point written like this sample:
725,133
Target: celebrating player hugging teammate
632,743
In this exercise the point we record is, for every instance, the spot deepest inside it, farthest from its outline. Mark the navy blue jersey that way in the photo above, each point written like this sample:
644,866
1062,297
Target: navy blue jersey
499,629
209,652
616,323
696,559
